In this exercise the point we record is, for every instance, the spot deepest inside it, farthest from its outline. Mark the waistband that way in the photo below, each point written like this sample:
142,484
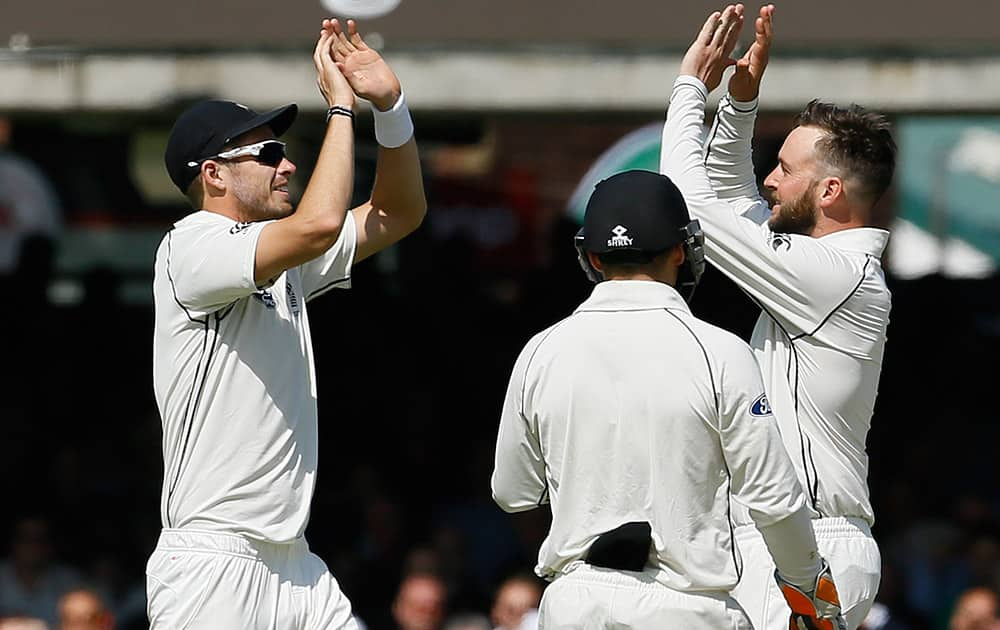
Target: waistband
231,544
825,527
635,580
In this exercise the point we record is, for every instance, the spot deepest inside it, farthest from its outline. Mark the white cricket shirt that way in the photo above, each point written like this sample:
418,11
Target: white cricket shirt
631,409
824,301
234,379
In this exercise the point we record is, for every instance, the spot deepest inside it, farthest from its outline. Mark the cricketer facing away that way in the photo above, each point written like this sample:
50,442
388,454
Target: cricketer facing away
233,373
636,422
812,264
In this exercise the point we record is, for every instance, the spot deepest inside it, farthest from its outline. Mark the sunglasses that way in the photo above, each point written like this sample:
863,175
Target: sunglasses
268,152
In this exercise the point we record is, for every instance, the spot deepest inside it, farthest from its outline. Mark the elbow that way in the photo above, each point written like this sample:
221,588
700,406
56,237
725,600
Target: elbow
509,500
504,503
503,497
321,233
416,212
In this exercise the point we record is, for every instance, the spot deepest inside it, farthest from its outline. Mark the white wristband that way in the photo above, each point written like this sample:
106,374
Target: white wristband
393,128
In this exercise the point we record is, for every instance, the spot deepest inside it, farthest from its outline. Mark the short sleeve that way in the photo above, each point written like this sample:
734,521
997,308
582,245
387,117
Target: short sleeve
332,270
210,266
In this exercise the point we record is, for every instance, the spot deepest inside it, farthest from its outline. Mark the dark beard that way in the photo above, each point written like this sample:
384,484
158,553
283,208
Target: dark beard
796,216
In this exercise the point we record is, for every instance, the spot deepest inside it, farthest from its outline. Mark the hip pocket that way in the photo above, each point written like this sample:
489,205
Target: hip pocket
178,583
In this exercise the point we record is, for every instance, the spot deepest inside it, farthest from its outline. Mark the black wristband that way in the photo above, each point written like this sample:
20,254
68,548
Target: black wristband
337,110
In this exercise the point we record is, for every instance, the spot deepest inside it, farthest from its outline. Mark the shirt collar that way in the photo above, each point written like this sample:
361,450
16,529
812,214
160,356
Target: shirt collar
202,217
633,295
865,240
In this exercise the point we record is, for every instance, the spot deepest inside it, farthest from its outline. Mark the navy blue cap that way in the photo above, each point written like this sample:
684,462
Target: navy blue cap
204,129
639,211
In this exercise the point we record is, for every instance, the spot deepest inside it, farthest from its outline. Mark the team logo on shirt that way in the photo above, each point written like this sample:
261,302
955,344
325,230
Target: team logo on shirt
781,240
239,227
760,407
264,295
619,239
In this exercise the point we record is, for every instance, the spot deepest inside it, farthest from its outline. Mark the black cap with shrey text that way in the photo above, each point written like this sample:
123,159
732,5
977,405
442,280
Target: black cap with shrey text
639,211
204,129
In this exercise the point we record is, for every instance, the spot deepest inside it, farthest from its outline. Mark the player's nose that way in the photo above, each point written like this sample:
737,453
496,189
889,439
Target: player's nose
286,167
771,181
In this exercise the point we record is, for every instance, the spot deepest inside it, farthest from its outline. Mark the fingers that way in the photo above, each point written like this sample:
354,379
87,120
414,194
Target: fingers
322,45
733,33
713,21
342,46
732,17
722,26
332,84
764,25
354,36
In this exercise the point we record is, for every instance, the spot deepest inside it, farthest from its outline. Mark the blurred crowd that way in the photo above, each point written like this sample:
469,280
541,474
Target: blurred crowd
403,513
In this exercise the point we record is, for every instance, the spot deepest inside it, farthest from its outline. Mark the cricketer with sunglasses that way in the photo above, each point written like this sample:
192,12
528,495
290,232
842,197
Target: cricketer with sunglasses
233,367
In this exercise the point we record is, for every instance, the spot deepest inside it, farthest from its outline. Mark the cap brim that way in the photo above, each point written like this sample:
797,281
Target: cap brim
279,120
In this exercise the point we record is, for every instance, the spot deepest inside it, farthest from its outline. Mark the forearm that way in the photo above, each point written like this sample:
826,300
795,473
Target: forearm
327,196
681,147
792,545
399,185
728,151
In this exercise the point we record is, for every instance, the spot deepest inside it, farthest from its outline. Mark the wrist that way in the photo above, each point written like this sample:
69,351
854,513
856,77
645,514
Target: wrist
339,110
692,81
393,126
387,103
742,104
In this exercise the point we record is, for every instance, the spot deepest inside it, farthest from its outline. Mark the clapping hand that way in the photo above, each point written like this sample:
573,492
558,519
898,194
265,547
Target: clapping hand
744,85
709,54
370,76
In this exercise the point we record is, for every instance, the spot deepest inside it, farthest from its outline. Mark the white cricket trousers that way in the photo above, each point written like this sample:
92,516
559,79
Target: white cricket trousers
198,580
593,598
845,543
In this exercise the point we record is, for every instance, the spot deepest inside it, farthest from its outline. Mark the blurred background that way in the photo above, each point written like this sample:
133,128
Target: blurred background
520,107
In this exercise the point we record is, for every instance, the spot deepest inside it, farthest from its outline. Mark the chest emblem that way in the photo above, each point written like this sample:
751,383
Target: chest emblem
264,295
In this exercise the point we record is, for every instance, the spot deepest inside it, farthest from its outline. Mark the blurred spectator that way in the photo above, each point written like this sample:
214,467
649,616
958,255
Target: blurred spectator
421,602
517,596
468,621
120,590
29,205
928,556
83,609
976,609
31,583
529,621
22,623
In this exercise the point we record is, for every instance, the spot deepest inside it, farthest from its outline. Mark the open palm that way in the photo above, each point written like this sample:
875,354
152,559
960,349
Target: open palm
370,76
744,85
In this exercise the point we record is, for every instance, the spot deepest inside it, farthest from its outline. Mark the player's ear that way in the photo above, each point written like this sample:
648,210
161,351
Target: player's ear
595,262
831,190
676,255
211,177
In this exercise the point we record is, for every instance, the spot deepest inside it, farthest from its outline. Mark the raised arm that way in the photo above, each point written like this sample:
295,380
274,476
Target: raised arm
728,158
317,221
397,205
791,276
700,72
